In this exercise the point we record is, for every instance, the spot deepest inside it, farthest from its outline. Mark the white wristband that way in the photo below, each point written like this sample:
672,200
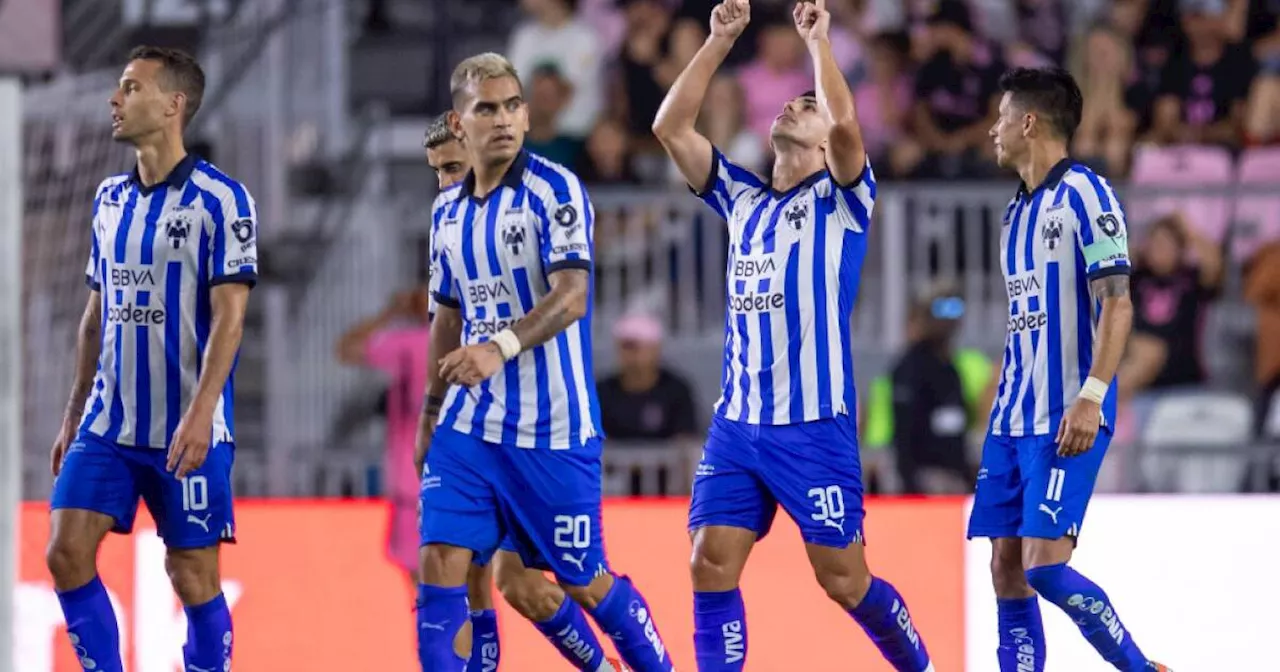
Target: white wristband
1094,390
508,343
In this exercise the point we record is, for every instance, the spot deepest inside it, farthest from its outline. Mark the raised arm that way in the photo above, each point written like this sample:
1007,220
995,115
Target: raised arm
846,155
674,125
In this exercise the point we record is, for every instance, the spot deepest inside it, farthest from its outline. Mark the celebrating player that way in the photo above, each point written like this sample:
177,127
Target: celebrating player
784,430
173,258
1065,259
515,459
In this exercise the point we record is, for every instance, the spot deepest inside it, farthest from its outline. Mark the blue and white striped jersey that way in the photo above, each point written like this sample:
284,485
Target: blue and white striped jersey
491,260
795,260
1055,239
157,252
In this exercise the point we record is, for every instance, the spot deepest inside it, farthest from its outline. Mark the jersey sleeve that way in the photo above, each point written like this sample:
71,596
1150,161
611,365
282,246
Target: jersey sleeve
234,252
95,255
854,201
726,184
91,268
1101,235
440,278
568,221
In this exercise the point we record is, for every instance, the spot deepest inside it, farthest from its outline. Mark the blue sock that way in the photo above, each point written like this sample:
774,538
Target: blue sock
441,614
720,631
882,613
91,626
624,615
1090,608
1022,647
208,635
571,634
484,641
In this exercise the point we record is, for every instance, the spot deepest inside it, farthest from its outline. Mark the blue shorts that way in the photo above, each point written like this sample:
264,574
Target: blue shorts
811,468
542,504
108,478
1025,489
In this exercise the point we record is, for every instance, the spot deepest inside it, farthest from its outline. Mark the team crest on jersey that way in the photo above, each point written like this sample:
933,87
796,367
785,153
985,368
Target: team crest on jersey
513,237
796,215
177,229
1052,233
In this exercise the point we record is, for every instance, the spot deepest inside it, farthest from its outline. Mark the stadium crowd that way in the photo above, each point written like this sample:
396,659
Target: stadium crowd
924,73
1155,74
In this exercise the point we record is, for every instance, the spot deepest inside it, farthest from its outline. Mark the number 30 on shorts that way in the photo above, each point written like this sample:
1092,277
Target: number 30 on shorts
829,501
573,531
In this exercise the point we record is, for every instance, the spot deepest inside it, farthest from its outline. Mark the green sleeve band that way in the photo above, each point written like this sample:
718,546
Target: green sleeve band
1103,249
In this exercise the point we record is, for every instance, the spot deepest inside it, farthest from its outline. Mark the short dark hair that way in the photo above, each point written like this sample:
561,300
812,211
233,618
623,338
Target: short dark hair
438,132
180,72
1051,92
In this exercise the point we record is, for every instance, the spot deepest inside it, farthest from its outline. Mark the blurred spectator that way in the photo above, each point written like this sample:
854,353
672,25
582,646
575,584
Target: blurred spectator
1262,290
1042,27
1106,130
779,73
1203,90
722,120
957,95
549,93
644,401
1151,36
394,342
608,157
1262,115
1170,298
883,101
554,35
646,69
933,405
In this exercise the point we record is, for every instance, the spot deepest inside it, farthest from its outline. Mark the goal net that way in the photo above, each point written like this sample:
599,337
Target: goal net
67,151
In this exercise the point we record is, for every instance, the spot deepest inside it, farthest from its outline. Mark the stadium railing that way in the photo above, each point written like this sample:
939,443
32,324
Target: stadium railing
660,249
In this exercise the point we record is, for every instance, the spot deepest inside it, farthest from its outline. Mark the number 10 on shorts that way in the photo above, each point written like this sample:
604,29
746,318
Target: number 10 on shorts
829,502
573,531
195,493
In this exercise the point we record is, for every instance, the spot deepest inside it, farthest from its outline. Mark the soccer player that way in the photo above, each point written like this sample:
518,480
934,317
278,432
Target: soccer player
510,413
174,255
1065,259
784,431
398,352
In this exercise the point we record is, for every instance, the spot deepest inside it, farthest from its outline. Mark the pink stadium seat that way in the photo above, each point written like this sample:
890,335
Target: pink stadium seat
1170,168
1257,216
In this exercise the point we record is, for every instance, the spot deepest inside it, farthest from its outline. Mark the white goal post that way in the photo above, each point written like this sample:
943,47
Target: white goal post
11,381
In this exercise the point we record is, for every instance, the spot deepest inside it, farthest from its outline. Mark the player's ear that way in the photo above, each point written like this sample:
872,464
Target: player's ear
177,103
455,124
1028,124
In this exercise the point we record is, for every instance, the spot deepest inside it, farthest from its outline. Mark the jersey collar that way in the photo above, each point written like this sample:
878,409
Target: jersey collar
1051,178
513,178
176,177
802,184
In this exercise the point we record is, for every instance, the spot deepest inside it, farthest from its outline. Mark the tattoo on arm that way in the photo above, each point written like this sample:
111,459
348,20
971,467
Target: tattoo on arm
1111,286
565,304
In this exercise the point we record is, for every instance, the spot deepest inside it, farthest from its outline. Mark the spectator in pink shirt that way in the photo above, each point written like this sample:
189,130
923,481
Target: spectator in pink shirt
394,342
779,73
